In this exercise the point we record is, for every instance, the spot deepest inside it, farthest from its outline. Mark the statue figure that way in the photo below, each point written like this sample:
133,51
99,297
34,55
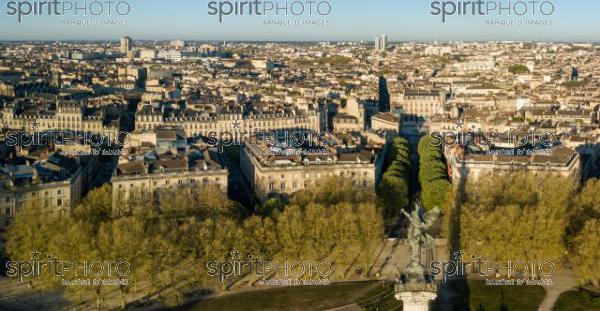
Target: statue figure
418,237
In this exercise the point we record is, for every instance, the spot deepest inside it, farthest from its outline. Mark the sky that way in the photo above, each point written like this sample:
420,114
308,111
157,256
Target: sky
349,20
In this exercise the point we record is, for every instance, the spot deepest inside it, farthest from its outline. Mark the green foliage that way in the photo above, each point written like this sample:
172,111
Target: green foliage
436,189
583,233
393,188
518,69
586,255
96,208
534,218
270,207
520,217
158,243
164,243
332,191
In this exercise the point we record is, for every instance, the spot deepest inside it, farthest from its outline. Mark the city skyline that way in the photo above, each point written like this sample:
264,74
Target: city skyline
401,20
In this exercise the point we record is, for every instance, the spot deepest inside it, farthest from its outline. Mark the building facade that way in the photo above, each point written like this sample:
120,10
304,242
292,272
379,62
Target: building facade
273,172
464,167
56,185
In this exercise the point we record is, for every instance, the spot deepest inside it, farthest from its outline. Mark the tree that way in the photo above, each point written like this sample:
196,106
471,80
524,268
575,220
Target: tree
587,206
584,234
436,189
332,190
518,69
504,222
393,193
96,207
271,206
291,231
79,243
29,234
393,188
586,255
370,234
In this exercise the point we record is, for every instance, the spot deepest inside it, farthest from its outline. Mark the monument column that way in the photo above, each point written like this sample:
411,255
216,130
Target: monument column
415,287
415,300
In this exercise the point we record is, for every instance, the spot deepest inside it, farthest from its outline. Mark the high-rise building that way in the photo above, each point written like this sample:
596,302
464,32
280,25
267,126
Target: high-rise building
125,45
381,43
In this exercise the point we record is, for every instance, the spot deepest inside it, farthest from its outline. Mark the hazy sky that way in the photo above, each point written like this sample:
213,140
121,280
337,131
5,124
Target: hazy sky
402,20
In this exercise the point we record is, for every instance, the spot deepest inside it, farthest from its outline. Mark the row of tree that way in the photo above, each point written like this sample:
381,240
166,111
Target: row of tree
435,186
393,191
169,244
524,217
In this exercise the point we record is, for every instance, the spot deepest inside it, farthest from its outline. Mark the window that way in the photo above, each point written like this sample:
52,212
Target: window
282,186
271,186
7,211
59,202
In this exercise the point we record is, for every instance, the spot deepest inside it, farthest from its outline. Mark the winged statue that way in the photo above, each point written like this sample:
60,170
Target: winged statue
420,223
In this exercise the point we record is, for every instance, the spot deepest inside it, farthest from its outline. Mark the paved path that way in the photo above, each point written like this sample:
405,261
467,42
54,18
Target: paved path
563,280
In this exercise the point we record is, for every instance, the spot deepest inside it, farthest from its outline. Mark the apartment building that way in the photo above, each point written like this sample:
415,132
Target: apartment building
164,161
465,165
56,184
273,170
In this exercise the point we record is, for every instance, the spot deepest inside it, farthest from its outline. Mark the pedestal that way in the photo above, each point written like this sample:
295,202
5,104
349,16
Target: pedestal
416,301
416,297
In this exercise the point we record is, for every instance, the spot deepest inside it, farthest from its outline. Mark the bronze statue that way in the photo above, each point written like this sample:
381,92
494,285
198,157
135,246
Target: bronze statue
420,222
